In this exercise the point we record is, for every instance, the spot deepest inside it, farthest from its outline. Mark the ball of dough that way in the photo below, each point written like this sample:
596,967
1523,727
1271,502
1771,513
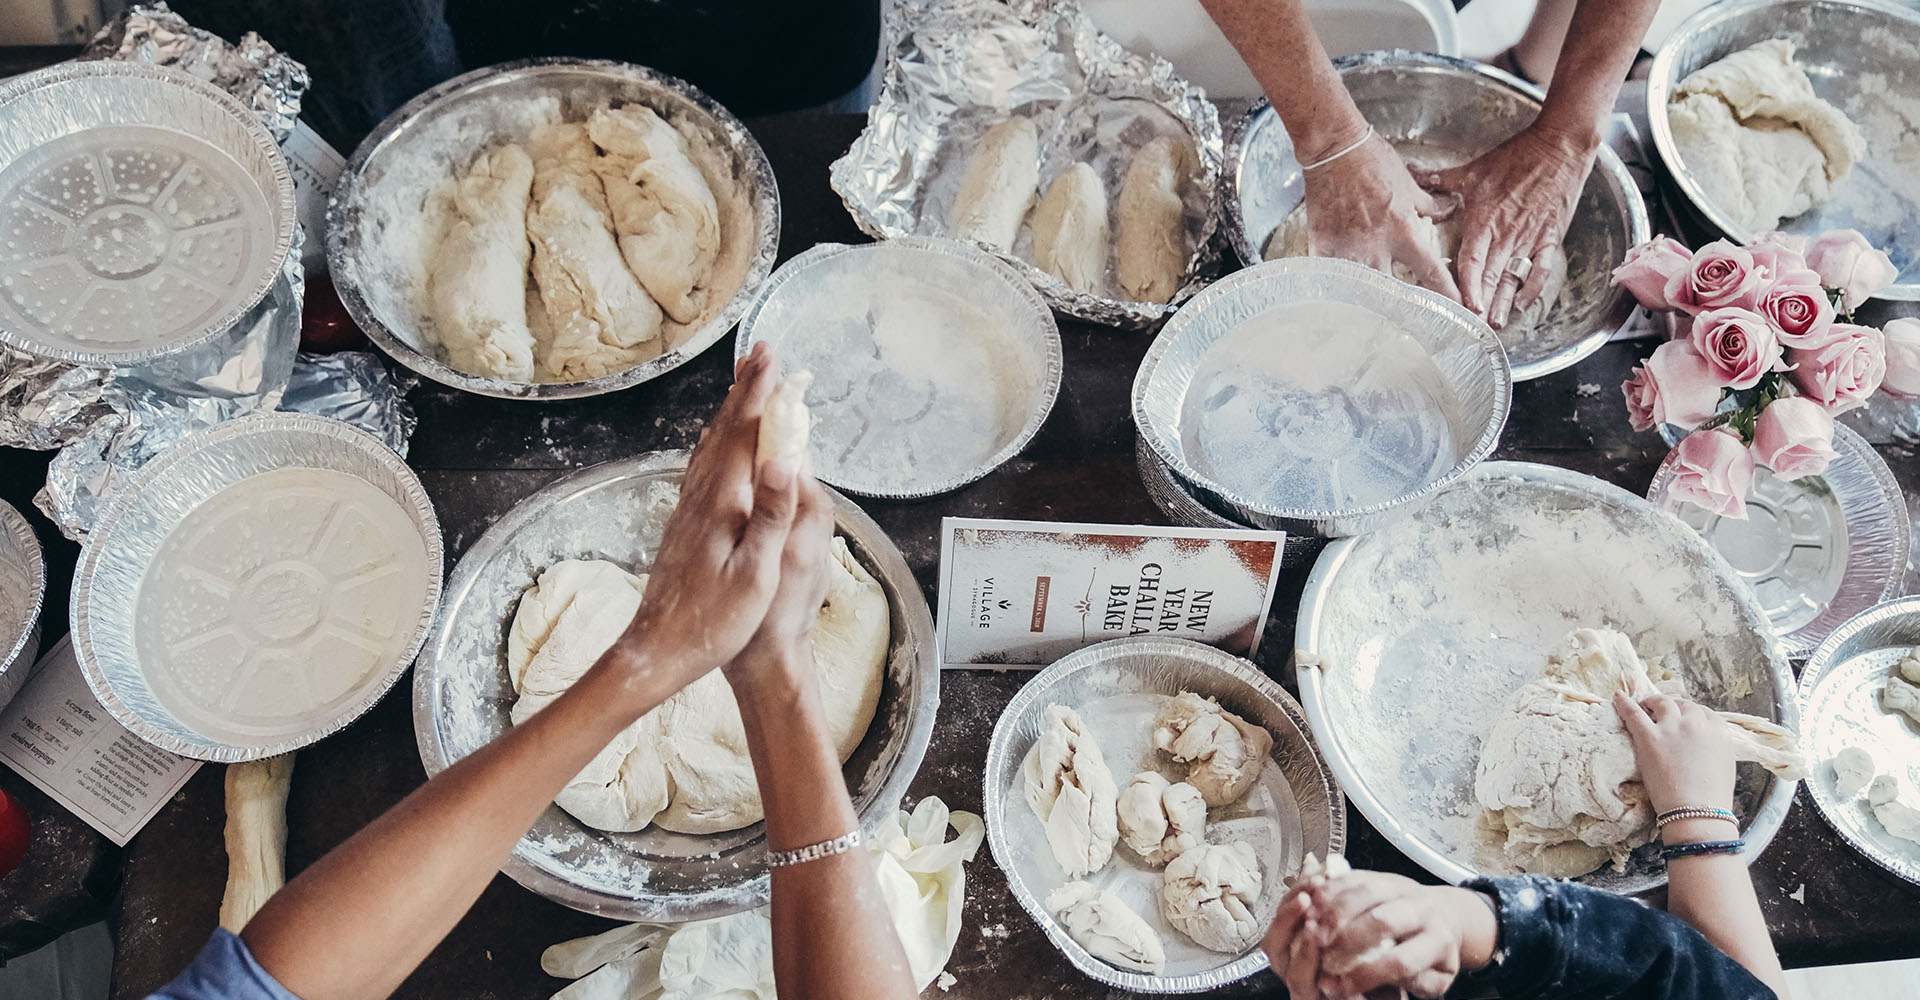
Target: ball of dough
1160,820
1224,752
785,424
1210,895
1107,927
1069,787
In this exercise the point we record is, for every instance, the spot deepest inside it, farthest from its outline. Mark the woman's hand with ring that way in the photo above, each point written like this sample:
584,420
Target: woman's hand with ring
1365,206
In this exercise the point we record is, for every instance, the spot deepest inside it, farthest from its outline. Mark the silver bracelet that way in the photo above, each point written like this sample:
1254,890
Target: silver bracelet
1315,165
814,852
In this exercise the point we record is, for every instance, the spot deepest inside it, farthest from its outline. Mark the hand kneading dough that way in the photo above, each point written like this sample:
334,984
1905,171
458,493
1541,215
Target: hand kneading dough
998,187
477,276
785,424
684,765
1070,229
1224,752
1152,245
1161,821
1071,790
1210,895
1757,139
1557,774
663,209
1107,927
598,319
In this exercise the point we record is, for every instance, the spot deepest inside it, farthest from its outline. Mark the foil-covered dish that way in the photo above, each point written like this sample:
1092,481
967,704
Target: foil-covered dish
1842,689
1320,397
1469,596
23,589
933,363
1292,808
462,695
1440,112
380,233
256,587
267,81
1179,502
957,69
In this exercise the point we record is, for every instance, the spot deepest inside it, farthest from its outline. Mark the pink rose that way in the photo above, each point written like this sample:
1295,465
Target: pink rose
1674,386
1798,308
1794,437
1778,252
1651,268
1850,265
1739,345
1719,275
1846,368
1903,357
1713,469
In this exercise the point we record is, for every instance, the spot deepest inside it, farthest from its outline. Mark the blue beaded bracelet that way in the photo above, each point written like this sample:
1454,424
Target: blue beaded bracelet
1670,851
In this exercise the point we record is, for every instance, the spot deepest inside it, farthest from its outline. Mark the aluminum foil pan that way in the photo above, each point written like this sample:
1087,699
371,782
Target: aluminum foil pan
1225,378
932,362
1840,700
143,212
1118,687
377,246
958,67
1442,111
139,518
1177,501
23,590
1816,551
1864,57
461,694
1467,597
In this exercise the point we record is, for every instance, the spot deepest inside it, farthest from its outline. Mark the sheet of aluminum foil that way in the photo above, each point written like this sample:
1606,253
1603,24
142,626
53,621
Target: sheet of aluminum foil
956,68
262,77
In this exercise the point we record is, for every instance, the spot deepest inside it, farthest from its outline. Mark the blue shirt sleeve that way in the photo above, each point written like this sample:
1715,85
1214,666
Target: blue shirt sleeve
225,970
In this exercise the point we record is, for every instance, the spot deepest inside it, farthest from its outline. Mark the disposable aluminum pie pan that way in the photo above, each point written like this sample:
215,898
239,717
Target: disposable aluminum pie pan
139,517
1442,110
933,362
1862,56
378,243
1117,688
23,590
462,695
1840,702
1177,501
1463,376
1410,639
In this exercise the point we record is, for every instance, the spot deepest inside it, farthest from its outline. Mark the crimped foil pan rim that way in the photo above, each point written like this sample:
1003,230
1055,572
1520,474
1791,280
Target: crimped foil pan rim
19,656
280,201
152,476
1045,329
342,262
1182,507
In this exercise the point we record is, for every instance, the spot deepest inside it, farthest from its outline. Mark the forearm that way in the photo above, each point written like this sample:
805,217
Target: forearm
1277,41
1714,895
1602,41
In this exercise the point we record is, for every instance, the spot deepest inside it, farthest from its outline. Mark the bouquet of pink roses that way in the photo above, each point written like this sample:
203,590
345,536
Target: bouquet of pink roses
1769,327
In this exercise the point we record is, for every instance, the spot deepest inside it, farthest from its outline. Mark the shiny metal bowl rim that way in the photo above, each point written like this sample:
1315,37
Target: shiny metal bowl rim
280,200
1047,329
923,696
1664,76
18,656
153,476
342,254
1364,516
1768,815
1817,668
1000,747
1607,162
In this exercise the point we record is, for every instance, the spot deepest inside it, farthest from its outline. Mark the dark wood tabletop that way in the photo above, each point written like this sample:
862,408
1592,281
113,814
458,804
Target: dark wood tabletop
478,457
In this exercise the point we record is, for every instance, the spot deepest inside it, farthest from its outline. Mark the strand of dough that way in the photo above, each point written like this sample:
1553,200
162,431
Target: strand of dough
1070,789
663,209
1070,229
477,277
997,188
256,835
1151,252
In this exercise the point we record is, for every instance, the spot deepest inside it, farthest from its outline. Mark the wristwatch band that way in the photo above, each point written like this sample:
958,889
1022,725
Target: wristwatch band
814,852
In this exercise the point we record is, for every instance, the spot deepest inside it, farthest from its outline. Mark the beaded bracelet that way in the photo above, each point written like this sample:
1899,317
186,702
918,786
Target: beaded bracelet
1693,812
814,852
1668,852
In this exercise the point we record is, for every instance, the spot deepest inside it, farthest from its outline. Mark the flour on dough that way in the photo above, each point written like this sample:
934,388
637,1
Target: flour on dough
1899,819
1069,788
998,186
1210,895
1223,752
477,273
1070,229
663,209
1902,693
1160,820
1150,253
1757,139
1853,767
1107,927
785,424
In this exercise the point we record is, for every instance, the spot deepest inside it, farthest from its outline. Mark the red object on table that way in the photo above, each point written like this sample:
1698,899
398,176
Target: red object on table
14,833
325,326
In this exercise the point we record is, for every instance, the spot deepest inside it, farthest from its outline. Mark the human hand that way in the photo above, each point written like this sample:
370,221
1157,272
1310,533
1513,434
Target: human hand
1519,199
1371,934
780,654
1685,756
1366,207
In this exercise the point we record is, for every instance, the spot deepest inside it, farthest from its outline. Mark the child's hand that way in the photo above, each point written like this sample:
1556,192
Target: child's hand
1684,755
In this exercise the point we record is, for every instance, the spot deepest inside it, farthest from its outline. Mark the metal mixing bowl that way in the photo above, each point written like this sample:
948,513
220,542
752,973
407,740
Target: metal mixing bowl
23,590
1451,110
1864,57
461,694
376,239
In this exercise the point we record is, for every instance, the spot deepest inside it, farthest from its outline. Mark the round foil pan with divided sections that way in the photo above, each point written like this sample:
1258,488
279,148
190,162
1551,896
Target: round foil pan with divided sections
23,590
1118,687
461,694
139,518
377,242
1467,598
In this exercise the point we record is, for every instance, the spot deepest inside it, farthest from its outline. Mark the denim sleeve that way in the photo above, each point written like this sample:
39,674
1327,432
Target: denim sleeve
1570,942
225,970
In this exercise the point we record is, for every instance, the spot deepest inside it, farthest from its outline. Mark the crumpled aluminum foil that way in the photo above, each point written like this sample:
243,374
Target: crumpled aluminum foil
351,386
262,77
957,67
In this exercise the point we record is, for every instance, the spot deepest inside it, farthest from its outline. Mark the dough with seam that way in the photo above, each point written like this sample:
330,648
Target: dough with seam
1069,788
477,273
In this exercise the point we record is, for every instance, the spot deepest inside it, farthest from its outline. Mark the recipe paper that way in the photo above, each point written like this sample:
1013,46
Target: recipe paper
1025,593
56,735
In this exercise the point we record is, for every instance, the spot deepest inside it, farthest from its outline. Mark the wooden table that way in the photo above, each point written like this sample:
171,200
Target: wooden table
479,456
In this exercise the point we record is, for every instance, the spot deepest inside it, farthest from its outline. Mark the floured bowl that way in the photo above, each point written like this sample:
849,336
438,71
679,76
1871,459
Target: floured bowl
23,589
